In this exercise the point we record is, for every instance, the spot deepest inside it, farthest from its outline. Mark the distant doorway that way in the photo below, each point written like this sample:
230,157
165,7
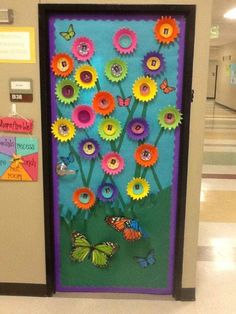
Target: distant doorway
212,79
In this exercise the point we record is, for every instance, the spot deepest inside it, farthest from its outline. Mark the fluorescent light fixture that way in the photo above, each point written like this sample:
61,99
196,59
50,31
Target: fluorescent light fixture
231,14
215,32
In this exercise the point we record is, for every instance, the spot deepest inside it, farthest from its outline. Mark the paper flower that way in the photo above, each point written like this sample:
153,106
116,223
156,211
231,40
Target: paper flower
146,155
104,103
144,89
166,30
107,192
109,129
153,63
112,163
125,41
137,129
116,70
83,198
63,129
170,118
67,91
89,148
138,188
86,76
83,116
62,64
83,48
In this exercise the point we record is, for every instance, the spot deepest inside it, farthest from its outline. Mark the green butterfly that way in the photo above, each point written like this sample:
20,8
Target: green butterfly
69,34
99,253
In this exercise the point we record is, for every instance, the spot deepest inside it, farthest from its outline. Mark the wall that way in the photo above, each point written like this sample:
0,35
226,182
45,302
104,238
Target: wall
21,225
225,92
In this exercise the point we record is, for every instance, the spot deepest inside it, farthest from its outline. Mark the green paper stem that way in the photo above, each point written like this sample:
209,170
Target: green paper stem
86,133
113,146
156,179
158,136
92,164
130,115
144,173
119,194
144,112
77,157
160,46
59,113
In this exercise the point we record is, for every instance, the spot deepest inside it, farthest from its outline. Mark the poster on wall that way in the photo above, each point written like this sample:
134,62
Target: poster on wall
233,73
18,158
116,84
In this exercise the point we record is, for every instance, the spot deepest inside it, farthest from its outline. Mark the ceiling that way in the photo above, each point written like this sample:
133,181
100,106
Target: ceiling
227,27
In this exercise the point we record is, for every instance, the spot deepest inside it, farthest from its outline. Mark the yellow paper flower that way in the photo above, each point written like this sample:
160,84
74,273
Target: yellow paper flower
86,76
63,129
144,89
138,188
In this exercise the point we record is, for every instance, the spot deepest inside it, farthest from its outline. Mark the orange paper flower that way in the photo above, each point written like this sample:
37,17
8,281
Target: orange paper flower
104,103
84,198
146,155
166,30
62,65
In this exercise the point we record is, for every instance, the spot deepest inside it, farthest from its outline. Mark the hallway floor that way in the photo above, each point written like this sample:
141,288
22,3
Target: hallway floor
216,268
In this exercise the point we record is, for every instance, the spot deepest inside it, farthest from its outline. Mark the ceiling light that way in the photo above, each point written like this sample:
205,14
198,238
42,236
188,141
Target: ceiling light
231,14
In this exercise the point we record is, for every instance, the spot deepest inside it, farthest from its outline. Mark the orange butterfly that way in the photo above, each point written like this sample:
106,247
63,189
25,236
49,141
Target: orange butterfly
165,87
129,227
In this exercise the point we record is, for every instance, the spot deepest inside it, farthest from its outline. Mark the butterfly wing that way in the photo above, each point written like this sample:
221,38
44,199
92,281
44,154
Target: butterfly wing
102,252
164,84
65,35
118,223
71,31
131,234
141,261
120,101
127,101
80,247
151,259
168,89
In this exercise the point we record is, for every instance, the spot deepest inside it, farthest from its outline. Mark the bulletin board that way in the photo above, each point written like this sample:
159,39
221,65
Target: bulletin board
116,126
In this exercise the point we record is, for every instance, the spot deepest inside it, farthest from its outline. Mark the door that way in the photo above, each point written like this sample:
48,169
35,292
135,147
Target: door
117,97
212,78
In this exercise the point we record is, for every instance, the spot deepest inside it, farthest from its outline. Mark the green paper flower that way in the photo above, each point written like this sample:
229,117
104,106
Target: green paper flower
109,129
169,118
116,70
67,91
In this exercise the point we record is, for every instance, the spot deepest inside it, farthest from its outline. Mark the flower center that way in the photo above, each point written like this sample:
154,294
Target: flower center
137,128
86,77
89,148
144,89
116,69
125,41
146,155
83,49
84,116
84,198
138,189
110,129
169,118
67,91
113,163
63,130
107,192
153,63
166,30
62,65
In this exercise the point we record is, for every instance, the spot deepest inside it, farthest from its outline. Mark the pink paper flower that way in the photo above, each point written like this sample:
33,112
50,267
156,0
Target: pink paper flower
112,163
83,116
83,48
125,41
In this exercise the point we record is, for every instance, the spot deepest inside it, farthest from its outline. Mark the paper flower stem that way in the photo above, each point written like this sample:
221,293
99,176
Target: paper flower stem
158,136
97,82
144,112
59,113
119,194
156,179
130,116
92,164
160,46
73,151
113,146
86,133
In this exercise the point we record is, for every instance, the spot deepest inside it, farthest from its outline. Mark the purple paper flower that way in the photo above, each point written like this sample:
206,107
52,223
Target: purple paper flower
89,148
153,63
107,192
137,129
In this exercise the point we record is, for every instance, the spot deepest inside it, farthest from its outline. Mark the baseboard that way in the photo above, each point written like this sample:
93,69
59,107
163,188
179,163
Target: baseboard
23,289
186,294
218,103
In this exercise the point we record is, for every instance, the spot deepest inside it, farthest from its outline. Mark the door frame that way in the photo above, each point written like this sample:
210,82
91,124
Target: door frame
45,10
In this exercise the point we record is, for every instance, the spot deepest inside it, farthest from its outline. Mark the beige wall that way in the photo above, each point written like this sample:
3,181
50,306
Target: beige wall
225,92
21,224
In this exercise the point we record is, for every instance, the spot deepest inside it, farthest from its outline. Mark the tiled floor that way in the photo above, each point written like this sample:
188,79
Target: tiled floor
216,275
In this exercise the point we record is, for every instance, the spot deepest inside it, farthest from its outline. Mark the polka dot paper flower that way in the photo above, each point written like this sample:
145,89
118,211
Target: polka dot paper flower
109,129
166,30
104,103
67,91
138,188
86,76
125,41
62,64
89,148
144,89
153,63
107,192
146,155
170,118
83,116
116,70
83,48
83,198
63,129
112,163
137,129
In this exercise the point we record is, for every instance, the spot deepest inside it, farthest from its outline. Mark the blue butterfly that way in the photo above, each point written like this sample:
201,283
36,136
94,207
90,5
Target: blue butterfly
146,261
67,160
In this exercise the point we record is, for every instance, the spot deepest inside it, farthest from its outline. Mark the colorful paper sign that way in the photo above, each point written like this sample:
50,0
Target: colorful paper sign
18,159
16,125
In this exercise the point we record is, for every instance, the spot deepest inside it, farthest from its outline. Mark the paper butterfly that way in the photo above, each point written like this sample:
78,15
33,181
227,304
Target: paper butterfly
124,102
130,228
67,160
165,87
99,253
146,261
70,33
